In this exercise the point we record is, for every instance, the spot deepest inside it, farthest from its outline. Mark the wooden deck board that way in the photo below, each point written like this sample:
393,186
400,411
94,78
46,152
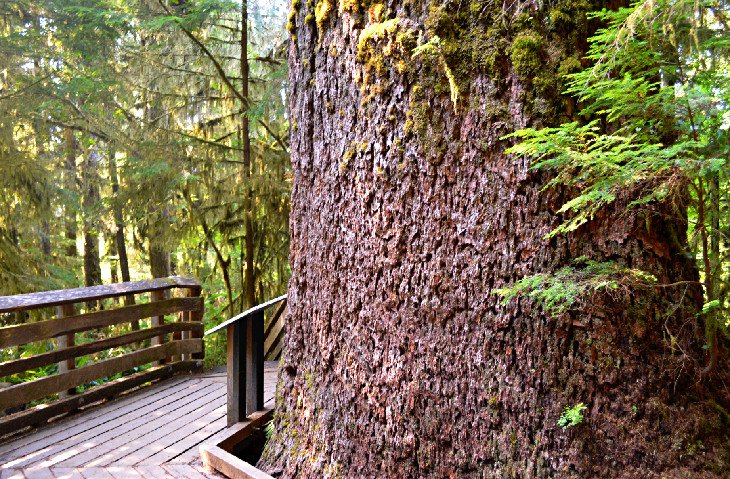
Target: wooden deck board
160,389
113,444
151,433
63,443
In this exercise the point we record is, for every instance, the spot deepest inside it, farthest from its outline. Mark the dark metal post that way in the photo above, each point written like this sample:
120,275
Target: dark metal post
236,372
255,362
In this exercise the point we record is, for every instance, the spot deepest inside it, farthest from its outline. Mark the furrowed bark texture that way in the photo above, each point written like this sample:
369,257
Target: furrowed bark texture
406,215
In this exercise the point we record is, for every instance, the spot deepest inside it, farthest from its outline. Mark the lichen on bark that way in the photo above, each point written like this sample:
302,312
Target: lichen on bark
407,215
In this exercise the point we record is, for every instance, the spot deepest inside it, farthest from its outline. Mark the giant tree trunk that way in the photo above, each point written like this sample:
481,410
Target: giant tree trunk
406,215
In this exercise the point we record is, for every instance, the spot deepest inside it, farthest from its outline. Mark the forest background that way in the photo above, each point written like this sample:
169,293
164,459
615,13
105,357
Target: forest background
144,138
150,138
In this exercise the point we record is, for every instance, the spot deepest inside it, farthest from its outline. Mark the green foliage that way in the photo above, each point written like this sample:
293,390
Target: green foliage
269,430
642,134
653,119
557,292
571,416
124,85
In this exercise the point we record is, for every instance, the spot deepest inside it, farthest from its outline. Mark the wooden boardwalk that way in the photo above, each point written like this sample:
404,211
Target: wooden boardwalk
151,433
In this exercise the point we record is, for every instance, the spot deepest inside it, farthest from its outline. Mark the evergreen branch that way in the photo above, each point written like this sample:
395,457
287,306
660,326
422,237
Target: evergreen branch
216,64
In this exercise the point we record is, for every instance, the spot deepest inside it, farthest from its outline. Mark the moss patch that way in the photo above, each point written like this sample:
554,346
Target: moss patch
525,54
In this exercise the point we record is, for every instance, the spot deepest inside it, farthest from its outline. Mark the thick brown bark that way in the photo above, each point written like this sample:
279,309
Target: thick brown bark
400,360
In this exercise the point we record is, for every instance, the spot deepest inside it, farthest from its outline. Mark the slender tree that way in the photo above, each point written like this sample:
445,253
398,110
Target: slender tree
91,198
71,187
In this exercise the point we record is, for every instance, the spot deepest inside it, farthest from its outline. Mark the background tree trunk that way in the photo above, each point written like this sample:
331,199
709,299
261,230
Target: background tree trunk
159,259
70,185
121,243
92,261
406,215
248,199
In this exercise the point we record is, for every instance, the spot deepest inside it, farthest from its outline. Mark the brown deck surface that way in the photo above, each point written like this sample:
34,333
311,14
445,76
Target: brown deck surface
151,433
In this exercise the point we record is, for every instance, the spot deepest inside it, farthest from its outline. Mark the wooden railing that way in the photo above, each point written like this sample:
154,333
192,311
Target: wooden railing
182,352
245,354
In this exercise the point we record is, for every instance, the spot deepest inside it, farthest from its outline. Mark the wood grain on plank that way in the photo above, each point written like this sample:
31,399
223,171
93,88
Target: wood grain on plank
120,472
66,473
230,465
181,471
150,434
184,449
167,437
28,333
38,473
95,473
196,431
156,472
87,418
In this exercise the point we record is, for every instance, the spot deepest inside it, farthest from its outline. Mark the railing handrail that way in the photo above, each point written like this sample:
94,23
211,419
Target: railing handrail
245,314
171,347
44,299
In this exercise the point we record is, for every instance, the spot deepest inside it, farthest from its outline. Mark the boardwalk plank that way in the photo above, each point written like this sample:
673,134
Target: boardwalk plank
159,428
150,436
85,417
121,472
184,471
102,430
66,473
184,438
95,473
67,437
154,472
42,413
38,473
114,444
185,450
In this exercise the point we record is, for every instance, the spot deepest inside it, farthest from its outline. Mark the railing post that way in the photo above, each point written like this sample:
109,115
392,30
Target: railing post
236,372
66,341
197,316
255,362
157,321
